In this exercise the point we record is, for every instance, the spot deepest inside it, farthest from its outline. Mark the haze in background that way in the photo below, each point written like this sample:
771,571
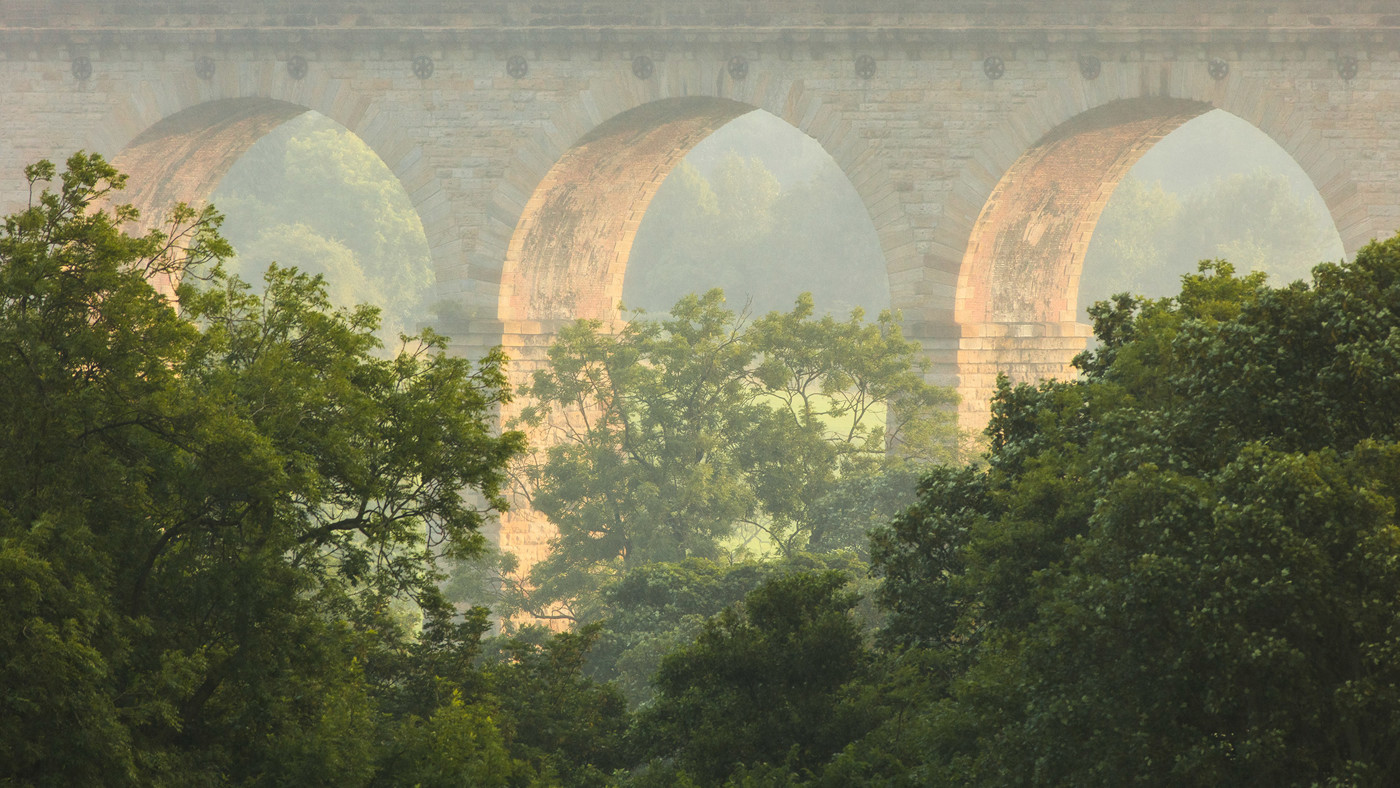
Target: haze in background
1215,188
762,211
311,194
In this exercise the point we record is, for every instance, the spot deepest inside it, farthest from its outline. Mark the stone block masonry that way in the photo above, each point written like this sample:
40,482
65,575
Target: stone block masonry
984,136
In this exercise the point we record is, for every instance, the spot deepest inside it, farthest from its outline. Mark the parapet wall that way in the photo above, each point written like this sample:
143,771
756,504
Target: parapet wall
893,14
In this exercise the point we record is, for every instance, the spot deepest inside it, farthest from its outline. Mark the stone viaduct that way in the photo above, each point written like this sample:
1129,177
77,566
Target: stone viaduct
985,136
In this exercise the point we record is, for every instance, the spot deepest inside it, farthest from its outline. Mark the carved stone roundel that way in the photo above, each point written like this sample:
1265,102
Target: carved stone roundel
738,67
994,67
1347,67
204,67
296,67
1219,69
82,67
642,67
517,66
423,67
866,67
1090,67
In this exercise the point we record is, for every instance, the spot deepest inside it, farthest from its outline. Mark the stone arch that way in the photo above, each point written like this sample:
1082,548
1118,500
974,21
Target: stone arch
561,224
176,140
1022,218
528,278
569,253
1027,247
182,157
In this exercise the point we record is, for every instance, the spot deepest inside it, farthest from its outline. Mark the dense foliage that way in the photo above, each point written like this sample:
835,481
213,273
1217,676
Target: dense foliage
1181,569
220,526
1184,568
653,610
761,684
218,523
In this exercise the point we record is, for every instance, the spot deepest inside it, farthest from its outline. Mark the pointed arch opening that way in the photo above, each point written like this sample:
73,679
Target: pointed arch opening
313,195
568,255
1215,188
184,156
762,211
571,251
1018,302
1024,257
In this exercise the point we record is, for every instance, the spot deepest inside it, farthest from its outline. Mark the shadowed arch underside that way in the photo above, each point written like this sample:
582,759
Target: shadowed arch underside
568,255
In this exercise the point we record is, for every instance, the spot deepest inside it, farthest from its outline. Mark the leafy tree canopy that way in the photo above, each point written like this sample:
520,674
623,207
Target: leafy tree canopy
762,683
704,435
213,517
655,609
1184,568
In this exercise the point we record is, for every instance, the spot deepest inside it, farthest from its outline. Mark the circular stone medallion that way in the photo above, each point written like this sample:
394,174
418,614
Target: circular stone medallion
738,67
1090,67
866,67
423,67
1347,67
296,67
994,67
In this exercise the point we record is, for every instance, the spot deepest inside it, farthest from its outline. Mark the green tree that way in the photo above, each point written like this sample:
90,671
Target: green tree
208,511
458,747
700,435
1182,569
568,726
762,684
658,608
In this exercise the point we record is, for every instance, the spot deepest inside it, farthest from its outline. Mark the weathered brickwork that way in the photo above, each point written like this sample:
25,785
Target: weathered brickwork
984,136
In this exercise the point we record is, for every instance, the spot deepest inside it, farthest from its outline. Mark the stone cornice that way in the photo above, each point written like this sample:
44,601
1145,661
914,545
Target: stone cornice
624,17
660,40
